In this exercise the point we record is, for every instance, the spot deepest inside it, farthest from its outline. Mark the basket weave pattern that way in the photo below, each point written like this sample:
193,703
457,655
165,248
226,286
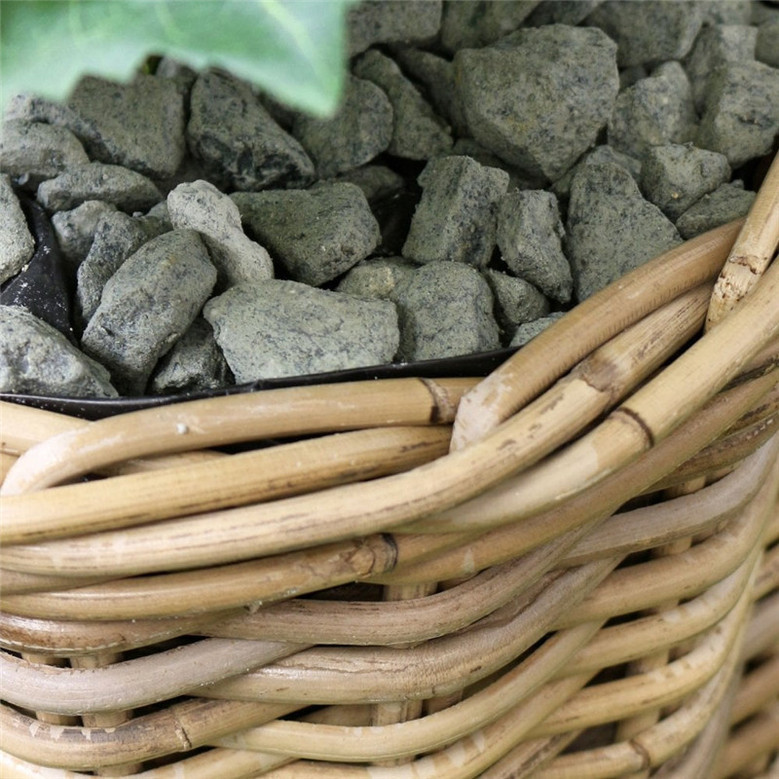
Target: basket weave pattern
567,569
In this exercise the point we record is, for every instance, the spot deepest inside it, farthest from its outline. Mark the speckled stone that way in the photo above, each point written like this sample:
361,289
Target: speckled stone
767,46
36,359
470,24
316,234
376,278
527,331
516,300
401,21
539,97
16,242
455,219
611,229
283,328
75,229
147,305
726,203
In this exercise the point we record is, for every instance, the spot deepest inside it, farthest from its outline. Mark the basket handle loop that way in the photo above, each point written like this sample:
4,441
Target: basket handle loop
751,253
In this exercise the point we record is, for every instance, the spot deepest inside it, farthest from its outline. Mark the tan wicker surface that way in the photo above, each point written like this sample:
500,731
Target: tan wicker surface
567,569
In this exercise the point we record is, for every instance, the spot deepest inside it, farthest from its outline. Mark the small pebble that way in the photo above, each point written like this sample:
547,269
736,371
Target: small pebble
727,203
445,309
530,237
122,187
471,24
417,132
516,300
147,305
16,243
316,234
200,206
401,21
75,229
36,359
283,328
674,177
611,229
767,45
527,331
376,278
455,219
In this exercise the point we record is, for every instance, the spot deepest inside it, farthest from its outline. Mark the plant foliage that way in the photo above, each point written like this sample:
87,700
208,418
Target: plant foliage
293,49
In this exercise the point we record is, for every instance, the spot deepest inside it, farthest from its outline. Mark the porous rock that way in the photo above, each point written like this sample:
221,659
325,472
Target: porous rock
124,188
199,205
147,305
194,363
445,309
741,118
237,139
455,219
602,153
417,132
138,125
530,237
283,328
726,11
375,181
36,359
376,278
359,131
717,45
651,31
539,97
527,331
611,229
401,21
653,111
723,205
561,12
16,243
516,300
34,152
117,236
474,23
75,229
316,234
767,46
674,176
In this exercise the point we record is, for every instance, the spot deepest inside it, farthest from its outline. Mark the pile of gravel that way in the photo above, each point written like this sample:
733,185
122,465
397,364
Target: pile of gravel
490,166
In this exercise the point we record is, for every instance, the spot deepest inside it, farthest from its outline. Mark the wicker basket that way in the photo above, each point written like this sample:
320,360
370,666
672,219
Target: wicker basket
567,569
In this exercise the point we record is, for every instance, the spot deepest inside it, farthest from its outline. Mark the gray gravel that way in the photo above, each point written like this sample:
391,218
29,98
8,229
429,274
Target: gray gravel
611,229
568,74
16,243
516,300
377,278
527,331
147,305
36,359
283,328
469,24
75,229
316,234
401,21
455,219
723,205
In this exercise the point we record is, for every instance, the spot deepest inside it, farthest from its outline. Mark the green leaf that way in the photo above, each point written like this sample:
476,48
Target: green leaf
293,49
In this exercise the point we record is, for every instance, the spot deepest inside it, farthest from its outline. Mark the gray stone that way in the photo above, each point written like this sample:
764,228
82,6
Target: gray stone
650,31
375,181
138,125
180,74
516,300
36,359
147,305
16,243
75,229
124,188
629,75
316,234
455,219
741,117
726,11
674,177
282,328
445,309
359,131
611,228
199,205
767,47
116,237
726,203
401,21
376,278
530,237
527,331
763,12
715,46
467,147
194,363
236,137
470,24
603,153
417,132
33,152
436,75
654,111
561,12
539,98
